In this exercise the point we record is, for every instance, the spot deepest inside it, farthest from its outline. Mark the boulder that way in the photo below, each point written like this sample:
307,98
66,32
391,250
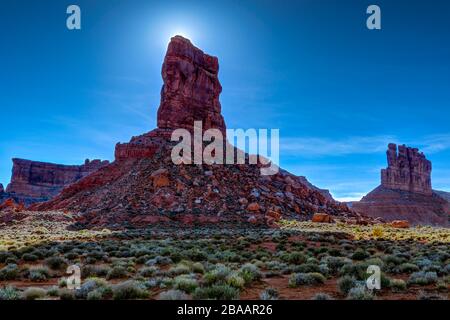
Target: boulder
322,218
401,224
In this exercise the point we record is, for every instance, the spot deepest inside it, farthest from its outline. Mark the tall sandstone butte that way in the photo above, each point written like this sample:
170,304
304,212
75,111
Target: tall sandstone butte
405,192
144,186
34,181
191,88
407,170
190,92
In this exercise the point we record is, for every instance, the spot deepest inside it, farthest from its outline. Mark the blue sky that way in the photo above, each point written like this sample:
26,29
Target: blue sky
338,92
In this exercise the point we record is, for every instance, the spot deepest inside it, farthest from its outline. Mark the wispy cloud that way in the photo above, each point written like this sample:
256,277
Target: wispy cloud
313,146
436,143
317,146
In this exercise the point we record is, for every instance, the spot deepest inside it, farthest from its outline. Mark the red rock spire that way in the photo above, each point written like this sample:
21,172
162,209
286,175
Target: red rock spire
408,170
191,88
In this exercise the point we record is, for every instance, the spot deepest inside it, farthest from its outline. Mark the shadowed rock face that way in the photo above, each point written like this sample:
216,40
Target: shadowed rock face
405,192
34,181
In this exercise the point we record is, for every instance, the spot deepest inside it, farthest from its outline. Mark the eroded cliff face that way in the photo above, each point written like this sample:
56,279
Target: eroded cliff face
405,192
191,88
33,181
407,170
190,92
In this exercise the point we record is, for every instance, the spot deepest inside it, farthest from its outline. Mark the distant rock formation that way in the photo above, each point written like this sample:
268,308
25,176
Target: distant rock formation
2,190
405,192
443,194
407,170
34,181
144,186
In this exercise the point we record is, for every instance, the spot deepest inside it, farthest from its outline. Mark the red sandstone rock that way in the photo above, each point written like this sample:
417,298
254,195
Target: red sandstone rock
254,206
322,218
405,192
407,170
252,220
402,224
160,178
191,88
37,181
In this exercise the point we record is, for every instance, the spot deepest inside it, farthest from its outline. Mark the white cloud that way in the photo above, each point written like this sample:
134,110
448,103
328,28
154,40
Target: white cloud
313,147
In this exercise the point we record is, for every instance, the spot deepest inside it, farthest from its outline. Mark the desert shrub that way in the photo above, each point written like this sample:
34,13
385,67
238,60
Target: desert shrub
308,279
185,283
374,261
307,268
235,280
197,267
4,255
275,265
393,260
148,271
66,294
441,286
269,294
322,296
249,272
90,270
429,296
196,255
9,293
423,278
360,254
359,293
62,283
100,293
173,295
29,257
378,232
34,293
117,272
407,268
38,273
217,292
159,260
179,269
129,290
53,291
88,286
294,258
55,263
335,263
398,285
218,275
346,283
9,272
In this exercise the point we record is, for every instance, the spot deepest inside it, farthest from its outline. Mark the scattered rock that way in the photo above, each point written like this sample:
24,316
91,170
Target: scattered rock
401,224
322,218
160,178
254,206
